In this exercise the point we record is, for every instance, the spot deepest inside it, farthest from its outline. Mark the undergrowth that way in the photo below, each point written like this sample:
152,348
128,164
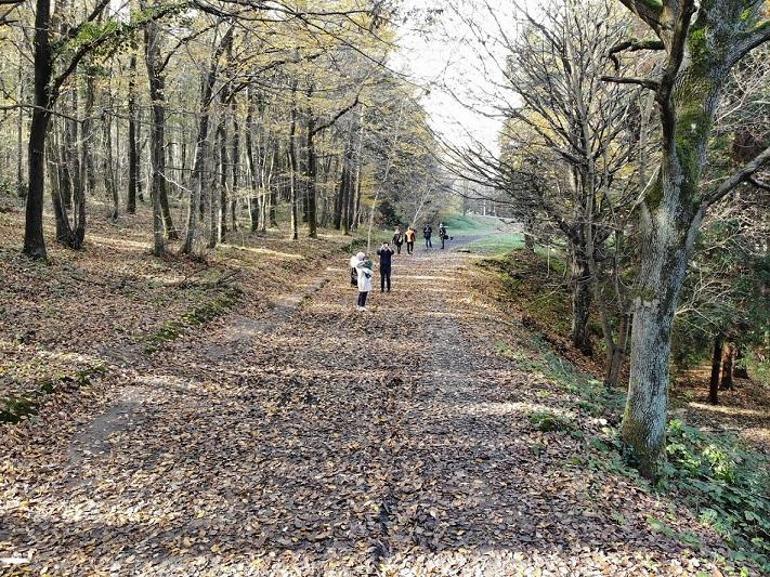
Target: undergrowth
13,408
726,483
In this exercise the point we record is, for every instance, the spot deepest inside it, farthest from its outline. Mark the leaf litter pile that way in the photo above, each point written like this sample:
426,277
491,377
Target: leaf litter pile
311,439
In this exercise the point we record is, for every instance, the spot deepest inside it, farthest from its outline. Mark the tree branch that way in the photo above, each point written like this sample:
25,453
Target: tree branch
653,85
648,11
745,174
753,39
336,117
760,184
633,46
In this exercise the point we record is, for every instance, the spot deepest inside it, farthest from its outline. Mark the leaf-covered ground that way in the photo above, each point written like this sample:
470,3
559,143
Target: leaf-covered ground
422,437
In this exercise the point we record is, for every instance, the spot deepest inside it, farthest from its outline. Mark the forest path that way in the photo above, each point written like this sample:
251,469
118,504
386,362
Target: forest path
335,442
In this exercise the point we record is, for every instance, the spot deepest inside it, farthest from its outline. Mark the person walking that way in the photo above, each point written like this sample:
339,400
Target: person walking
427,232
398,239
365,273
442,233
410,235
385,252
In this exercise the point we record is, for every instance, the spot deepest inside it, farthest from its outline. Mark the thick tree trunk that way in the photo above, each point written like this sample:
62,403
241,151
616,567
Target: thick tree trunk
699,61
158,139
34,242
716,365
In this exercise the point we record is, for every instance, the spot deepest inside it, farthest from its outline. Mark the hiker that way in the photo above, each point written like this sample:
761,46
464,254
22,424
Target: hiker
442,233
353,272
427,232
385,253
410,235
365,273
398,239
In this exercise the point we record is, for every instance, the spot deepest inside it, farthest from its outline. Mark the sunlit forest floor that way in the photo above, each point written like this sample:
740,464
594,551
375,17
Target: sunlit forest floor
242,418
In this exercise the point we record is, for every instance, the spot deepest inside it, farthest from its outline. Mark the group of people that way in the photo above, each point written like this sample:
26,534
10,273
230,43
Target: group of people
362,267
400,238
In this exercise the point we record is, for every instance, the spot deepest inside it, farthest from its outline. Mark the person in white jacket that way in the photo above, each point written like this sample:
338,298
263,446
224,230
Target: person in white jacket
365,274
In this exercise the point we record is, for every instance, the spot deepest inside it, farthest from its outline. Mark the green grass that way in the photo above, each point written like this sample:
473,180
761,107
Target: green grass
473,224
498,244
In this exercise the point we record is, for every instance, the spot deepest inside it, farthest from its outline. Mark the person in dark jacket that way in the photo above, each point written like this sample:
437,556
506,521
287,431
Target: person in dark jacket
427,232
385,252
398,239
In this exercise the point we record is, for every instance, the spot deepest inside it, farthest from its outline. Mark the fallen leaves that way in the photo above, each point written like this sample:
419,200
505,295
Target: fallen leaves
315,440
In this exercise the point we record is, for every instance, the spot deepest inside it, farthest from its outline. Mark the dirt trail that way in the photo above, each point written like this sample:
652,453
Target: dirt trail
334,442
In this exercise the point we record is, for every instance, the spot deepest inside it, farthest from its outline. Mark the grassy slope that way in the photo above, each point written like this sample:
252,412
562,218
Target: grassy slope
497,237
722,477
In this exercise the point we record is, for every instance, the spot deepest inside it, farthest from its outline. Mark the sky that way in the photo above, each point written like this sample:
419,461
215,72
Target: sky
445,58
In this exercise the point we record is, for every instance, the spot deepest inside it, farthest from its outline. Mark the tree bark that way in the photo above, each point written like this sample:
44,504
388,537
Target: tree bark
581,304
157,142
235,164
312,170
133,151
716,364
739,369
726,382
34,242
293,168
700,56
21,186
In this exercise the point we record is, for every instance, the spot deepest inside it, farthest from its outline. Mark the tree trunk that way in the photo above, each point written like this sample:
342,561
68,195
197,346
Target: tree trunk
201,146
21,187
727,367
293,168
224,164
581,303
133,152
235,164
716,364
312,201
739,369
109,164
529,233
663,267
258,198
672,210
158,139
34,242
